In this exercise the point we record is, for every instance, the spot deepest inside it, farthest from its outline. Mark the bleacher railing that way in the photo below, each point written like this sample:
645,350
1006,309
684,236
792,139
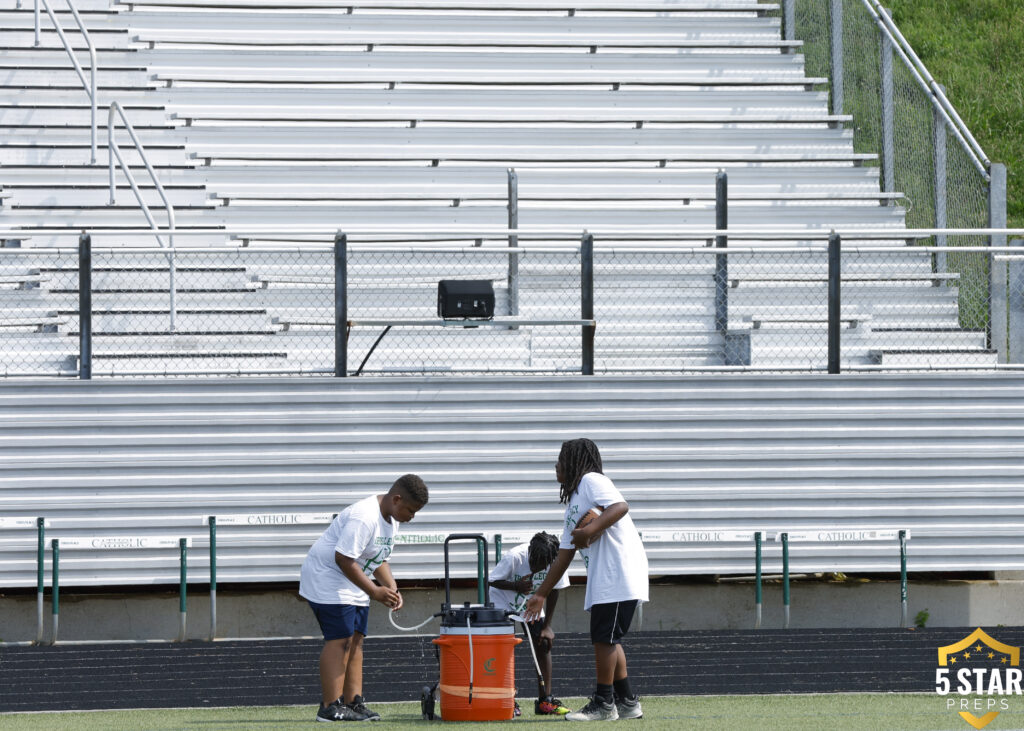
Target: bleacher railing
843,301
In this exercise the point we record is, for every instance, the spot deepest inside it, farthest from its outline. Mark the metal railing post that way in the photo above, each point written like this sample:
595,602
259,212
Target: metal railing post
940,183
341,305
834,310
497,547
785,580
721,260
213,577
183,562
40,576
888,115
998,271
903,579
55,596
85,307
513,241
1015,308
757,580
789,21
587,302
836,55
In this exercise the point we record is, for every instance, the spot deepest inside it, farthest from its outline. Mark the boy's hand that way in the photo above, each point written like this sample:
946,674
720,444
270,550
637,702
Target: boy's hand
534,606
546,639
388,597
582,537
524,586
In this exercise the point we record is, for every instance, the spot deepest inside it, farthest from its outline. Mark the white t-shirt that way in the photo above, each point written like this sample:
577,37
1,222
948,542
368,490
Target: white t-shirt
359,532
514,566
616,562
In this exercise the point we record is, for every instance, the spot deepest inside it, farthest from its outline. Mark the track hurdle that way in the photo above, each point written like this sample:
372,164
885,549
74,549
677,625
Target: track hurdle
118,543
40,524
843,535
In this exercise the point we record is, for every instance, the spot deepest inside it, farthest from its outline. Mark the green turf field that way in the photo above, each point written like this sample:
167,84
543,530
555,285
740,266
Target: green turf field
867,712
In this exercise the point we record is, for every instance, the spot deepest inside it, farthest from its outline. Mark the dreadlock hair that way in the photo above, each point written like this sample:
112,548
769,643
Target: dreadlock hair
543,550
578,457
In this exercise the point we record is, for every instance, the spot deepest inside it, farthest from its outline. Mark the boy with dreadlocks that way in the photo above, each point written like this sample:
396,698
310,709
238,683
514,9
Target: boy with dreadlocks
616,574
516,576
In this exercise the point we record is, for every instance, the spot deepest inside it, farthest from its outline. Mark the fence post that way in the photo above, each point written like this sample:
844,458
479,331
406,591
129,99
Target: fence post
85,307
183,560
587,301
834,321
788,21
213,577
836,47
1015,308
888,114
513,241
903,579
497,547
341,305
757,580
55,567
40,576
785,580
721,260
997,272
940,182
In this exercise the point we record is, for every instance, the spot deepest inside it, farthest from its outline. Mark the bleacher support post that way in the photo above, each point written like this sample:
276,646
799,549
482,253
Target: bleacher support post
788,21
213,577
888,114
834,322
85,307
997,271
1015,307
785,580
939,165
513,241
587,301
55,597
836,47
183,552
40,576
341,305
757,580
721,260
903,579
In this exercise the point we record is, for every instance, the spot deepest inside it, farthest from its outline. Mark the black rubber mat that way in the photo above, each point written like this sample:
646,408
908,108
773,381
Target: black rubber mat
239,673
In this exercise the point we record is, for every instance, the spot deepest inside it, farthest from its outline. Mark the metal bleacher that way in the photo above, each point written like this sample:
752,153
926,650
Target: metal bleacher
344,115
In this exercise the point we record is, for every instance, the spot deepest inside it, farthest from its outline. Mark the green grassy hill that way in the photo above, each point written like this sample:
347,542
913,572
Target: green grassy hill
975,49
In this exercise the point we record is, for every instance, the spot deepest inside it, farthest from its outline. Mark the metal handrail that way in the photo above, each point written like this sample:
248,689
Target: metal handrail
90,86
930,86
114,151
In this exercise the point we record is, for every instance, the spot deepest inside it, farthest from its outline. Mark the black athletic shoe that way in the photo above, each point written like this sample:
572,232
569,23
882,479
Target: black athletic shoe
358,705
336,711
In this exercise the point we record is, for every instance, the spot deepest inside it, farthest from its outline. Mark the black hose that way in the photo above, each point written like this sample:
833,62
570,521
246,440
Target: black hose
372,348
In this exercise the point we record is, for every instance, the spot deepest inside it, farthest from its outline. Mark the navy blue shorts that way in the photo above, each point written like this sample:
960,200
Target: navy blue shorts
338,621
610,622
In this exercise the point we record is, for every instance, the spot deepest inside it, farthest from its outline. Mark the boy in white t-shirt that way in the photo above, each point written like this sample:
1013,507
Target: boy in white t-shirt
336,582
513,580
616,574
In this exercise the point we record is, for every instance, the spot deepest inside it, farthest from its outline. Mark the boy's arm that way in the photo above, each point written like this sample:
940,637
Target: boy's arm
386,578
549,608
582,537
522,586
558,567
350,568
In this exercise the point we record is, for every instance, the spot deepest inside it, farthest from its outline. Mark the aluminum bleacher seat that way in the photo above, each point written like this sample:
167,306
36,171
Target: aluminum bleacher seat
348,114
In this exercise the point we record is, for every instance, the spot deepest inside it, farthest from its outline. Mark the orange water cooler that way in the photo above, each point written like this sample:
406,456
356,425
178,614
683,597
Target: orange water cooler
476,649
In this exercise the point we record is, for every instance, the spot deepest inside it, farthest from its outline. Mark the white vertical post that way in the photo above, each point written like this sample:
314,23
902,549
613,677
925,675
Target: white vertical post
888,115
836,24
997,275
940,182
1015,308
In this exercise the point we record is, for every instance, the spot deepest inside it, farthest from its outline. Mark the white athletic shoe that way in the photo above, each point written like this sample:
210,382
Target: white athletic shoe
595,710
629,708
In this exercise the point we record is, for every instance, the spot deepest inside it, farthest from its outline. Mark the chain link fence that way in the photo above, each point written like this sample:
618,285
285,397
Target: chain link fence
658,309
922,154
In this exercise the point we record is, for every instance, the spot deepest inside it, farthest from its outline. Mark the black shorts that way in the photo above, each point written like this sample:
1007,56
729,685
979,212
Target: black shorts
610,622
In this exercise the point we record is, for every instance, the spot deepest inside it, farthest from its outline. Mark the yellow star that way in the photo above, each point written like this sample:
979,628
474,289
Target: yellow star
1002,660
978,648
952,660
967,656
991,655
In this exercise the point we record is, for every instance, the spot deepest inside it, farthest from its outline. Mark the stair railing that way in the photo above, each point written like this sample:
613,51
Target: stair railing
114,151
90,85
